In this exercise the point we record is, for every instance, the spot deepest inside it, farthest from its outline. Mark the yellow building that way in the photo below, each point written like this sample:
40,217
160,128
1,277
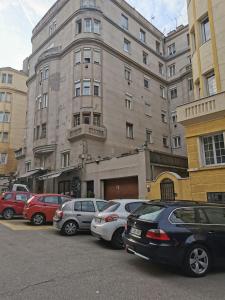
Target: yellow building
203,119
13,105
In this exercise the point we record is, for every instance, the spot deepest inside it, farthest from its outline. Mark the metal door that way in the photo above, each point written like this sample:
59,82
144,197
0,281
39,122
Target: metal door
167,190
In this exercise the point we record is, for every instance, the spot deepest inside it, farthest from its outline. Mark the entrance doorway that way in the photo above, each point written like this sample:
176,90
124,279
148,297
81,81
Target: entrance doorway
167,190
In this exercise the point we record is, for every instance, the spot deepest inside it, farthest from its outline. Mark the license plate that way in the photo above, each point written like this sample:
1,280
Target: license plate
135,231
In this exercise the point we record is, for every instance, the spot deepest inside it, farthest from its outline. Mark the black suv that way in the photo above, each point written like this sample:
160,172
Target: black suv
187,234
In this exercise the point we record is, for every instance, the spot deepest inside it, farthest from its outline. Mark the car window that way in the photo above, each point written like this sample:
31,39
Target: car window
21,197
87,206
130,207
101,205
148,212
111,206
77,206
8,196
183,216
51,199
21,189
65,199
216,215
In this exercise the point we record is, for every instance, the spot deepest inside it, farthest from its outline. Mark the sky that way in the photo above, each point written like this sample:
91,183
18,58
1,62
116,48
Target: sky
18,18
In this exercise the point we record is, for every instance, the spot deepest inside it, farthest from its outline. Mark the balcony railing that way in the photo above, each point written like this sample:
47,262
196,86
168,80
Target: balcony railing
201,109
42,149
88,4
20,153
91,131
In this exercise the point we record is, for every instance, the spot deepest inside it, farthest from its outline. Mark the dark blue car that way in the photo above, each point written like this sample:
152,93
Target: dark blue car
187,234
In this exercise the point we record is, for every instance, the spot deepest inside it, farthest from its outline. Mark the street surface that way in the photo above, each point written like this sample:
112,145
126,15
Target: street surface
38,263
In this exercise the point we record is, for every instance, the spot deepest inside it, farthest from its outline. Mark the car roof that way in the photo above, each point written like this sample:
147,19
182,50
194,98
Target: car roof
128,200
60,195
87,199
186,203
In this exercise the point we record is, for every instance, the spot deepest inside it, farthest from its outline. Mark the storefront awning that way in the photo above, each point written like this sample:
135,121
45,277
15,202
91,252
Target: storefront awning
29,174
58,173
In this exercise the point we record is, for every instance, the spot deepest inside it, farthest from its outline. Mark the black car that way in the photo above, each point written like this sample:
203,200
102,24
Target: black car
187,234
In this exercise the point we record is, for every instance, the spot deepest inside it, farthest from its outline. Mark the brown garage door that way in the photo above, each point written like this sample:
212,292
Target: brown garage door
121,188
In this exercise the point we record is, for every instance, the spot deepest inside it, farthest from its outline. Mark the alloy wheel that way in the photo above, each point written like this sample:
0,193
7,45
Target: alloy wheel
199,261
38,219
70,228
8,214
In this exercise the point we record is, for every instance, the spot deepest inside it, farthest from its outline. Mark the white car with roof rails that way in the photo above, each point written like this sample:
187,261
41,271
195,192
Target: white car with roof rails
110,223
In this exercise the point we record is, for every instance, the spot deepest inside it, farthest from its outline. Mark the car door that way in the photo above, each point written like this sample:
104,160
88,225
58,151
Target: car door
7,201
50,205
19,202
86,214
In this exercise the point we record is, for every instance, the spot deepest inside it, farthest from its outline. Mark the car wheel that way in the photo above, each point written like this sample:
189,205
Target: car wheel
8,214
117,239
38,219
197,261
69,228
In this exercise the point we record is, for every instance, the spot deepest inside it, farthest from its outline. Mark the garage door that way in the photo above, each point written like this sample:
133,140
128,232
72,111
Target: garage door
124,188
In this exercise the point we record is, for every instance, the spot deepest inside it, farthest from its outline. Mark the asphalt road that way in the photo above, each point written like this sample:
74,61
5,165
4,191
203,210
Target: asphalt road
41,264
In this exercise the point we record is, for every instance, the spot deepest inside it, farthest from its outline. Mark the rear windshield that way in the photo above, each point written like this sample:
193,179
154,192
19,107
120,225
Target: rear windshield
101,205
149,212
111,206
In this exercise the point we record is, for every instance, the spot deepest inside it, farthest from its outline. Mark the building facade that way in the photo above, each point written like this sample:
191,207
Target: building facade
103,82
204,119
13,103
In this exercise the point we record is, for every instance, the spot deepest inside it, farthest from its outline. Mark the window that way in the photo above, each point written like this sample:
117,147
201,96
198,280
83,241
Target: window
162,92
96,119
78,57
129,131
176,142
146,83
86,88
149,138
65,159
76,120
129,102
163,117
5,137
145,58
87,118
28,166
7,78
171,49
165,142
215,215
149,212
188,39
190,84
97,56
189,60
39,102
174,118
4,117
77,206
171,70
96,88
88,3
77,89
87,25
124,22
193,41
130,207
205,27
101,205
37,132
214,149
5,97
173,93
183,216
46,73
45,100
148,109
157,47
97,24
2,96
161,69
211,84
4,78
79,26
87,206
142,36
216,197
126,45
127,73
21,197
87,55
51,199
43,131
3,158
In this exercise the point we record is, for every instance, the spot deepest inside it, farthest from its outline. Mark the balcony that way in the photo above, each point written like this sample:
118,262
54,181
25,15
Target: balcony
202,109
50,52
89,131
20,153
43,149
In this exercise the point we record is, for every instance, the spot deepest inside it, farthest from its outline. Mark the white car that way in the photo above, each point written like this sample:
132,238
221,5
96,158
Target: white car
110,223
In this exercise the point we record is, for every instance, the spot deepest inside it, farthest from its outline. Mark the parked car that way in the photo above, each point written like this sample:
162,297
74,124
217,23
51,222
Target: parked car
77,215
109,225
41,208
12,203
190,235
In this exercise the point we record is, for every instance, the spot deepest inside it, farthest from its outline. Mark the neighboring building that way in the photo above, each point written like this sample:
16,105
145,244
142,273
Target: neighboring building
204,119
103,81
13,104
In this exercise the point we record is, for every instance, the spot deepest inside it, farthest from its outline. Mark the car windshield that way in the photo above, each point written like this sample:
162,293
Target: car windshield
101,205
148,212
111,206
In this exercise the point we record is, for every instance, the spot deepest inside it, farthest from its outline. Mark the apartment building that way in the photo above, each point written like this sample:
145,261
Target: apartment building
204,119
103,88
13,102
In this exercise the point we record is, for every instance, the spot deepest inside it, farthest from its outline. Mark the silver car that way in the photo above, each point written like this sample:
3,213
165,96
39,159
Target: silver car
77,214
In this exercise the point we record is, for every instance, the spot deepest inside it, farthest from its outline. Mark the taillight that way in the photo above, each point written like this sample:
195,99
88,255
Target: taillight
59,214
157,234
111,218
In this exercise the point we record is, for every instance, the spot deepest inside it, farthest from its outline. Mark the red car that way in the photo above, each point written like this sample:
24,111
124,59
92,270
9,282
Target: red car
41,208
12,203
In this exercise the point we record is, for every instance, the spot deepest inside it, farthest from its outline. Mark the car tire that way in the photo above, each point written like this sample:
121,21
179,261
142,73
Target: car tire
197,261
117,239
69,228
38,219
8,214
